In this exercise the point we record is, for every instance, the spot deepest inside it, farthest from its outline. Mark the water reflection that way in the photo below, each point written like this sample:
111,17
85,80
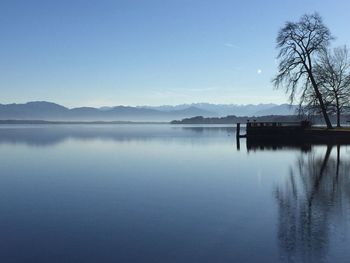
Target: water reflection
314,199
162,193
275,146
47,135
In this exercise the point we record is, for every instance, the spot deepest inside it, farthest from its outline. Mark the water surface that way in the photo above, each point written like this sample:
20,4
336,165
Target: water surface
162,193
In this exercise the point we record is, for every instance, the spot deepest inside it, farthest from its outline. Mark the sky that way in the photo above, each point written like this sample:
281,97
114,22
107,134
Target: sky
149,52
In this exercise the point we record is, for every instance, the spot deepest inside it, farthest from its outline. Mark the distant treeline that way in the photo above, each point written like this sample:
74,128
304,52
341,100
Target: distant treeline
269,118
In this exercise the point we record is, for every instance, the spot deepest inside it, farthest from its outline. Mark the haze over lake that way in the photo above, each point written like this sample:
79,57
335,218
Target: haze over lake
162,193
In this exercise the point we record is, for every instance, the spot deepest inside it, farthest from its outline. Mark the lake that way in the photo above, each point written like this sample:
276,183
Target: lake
162,193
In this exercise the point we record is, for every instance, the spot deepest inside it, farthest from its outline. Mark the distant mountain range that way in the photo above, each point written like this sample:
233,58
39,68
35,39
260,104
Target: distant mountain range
42,110
222,110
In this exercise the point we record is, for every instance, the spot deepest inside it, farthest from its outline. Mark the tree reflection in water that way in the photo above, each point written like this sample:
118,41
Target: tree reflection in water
314,199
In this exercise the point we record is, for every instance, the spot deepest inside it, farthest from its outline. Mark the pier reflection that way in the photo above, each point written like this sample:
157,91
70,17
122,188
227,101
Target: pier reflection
275,146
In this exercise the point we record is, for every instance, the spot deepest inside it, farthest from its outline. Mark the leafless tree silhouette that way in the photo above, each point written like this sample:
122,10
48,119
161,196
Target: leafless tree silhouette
332,72
298,44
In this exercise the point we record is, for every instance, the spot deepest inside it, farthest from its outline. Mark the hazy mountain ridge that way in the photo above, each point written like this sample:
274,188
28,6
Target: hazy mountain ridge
283,109
234,109
42,110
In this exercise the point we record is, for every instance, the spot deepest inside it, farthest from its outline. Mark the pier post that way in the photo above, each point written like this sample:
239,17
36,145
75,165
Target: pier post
238,130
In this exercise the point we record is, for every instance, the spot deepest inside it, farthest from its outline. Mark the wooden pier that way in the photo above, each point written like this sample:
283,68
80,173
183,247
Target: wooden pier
292,132
276,129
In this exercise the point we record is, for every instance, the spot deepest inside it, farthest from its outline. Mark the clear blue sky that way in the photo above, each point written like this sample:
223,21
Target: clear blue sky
148,52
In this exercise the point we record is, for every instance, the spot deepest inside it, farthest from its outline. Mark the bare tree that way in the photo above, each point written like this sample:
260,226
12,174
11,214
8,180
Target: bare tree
332,73
298,44
309,104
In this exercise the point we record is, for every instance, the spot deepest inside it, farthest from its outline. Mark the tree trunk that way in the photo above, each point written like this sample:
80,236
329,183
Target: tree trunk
338,117
338,111
320,100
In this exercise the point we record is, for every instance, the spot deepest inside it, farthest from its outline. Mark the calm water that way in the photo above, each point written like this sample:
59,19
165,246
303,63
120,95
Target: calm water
161,193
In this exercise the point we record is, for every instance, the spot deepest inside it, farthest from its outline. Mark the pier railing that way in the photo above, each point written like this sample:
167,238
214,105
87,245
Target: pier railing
302,124
273,130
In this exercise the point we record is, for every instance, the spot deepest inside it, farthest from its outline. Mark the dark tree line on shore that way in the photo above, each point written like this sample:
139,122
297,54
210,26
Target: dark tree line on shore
313,74
237,119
